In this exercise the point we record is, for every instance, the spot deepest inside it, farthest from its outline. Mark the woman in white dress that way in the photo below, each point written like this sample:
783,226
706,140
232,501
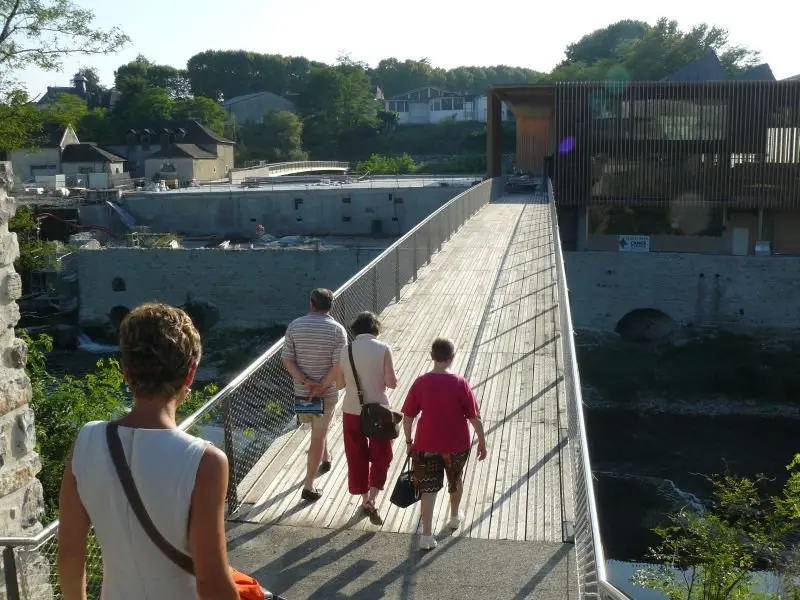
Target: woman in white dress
182,480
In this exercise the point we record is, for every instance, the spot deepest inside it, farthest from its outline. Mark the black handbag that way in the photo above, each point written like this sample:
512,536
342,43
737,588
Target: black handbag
405,493
378,421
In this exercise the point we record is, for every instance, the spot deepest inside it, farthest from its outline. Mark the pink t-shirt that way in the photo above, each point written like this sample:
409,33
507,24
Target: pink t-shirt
446,402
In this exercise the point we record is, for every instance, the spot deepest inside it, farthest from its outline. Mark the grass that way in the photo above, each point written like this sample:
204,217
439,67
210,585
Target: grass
717,364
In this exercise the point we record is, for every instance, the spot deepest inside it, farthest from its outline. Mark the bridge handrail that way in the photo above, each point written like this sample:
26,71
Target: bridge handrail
402,260
590,556
289,166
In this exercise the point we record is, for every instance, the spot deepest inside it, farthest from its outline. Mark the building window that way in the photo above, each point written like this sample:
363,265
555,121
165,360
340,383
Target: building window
447,104
458,104
436,105
686,220
346,200
297,203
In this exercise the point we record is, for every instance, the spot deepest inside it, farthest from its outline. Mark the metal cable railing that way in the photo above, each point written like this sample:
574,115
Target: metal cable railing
254,409
590,557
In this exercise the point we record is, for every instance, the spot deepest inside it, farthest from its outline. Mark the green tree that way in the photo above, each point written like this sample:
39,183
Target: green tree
224,74
64,404
632,50
388,165
66,109
141,73
19,121
277,137
34,254
338,108
204,110
40,33
602,43
143,105
714,555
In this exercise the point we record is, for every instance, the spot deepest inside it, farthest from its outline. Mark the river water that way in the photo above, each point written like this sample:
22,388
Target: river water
648,465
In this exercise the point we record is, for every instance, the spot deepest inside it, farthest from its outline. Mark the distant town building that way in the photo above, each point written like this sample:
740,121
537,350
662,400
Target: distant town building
186,147
102,98
432,105
44,157
251,107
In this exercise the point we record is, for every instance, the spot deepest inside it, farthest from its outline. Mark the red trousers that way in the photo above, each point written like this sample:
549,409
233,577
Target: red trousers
367,460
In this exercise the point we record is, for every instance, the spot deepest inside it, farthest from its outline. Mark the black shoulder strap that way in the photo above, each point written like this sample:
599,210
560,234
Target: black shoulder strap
355,374
129,485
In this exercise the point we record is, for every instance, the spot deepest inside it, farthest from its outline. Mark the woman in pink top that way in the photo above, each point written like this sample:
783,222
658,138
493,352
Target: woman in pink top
445,402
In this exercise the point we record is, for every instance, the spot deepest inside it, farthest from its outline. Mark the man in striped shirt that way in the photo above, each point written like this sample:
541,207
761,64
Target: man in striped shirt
310,353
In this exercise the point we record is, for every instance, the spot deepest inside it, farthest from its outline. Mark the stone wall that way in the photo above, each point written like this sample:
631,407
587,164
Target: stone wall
311,211
251,288
21,502
750,292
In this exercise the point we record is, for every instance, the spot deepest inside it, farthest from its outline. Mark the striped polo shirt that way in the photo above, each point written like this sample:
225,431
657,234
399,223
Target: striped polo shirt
314,342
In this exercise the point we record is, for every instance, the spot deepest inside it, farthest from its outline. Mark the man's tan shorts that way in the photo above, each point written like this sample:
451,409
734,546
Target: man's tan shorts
320,423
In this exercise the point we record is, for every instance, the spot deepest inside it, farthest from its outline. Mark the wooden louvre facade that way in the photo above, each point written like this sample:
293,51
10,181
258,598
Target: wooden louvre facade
731,143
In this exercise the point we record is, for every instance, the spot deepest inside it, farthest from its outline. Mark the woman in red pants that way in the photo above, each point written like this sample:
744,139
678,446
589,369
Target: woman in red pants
368,460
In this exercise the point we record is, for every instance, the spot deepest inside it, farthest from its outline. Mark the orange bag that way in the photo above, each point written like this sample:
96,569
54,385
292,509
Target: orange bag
248,587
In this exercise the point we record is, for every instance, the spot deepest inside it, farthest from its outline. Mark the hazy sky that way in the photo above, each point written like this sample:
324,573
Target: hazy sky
514,32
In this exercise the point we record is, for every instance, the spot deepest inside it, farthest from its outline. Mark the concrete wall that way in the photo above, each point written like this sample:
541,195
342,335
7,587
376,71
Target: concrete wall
29,164
21,502
79,168
186,169
698,289
323,211
252,288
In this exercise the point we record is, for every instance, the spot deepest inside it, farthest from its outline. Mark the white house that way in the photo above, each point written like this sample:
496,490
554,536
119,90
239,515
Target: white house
45,157
431,105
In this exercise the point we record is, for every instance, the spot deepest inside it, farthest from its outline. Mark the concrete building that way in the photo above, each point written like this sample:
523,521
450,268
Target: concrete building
376,208
432,105
175,140
251,107
184,162
85,158
100,98
689,164
45,158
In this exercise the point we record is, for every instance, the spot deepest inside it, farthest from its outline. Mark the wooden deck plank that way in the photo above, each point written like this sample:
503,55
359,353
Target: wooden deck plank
493,295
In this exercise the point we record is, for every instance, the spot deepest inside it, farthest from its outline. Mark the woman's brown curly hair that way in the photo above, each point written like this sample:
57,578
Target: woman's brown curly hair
159,344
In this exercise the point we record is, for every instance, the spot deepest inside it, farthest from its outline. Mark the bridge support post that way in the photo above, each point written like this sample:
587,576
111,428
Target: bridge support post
494,136
397,273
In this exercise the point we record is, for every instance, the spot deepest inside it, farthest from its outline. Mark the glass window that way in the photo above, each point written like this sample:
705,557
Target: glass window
458,104
689,219
447,104
436,105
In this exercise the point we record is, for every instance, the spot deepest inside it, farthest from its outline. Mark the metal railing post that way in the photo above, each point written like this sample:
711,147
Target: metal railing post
230,451
428,243
414,255
397,273
375,307
10,572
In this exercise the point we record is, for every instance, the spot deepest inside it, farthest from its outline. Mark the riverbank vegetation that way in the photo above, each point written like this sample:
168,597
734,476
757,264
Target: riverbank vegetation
63,404
709,365
717,553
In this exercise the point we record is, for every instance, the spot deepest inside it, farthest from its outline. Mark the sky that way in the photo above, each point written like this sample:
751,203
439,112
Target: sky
513,32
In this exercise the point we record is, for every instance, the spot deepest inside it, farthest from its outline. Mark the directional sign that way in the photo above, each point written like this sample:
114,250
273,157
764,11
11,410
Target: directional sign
633,243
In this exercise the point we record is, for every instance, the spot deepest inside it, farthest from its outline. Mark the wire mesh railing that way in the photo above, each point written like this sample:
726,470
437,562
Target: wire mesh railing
589,555
254,409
